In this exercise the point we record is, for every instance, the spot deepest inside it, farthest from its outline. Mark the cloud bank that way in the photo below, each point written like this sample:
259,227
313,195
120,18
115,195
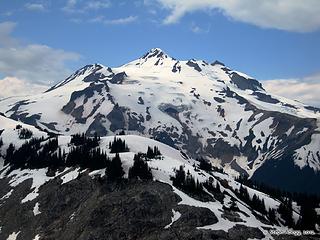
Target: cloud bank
29,66
290,15
35,7
305,90
80,6
11,86
116,21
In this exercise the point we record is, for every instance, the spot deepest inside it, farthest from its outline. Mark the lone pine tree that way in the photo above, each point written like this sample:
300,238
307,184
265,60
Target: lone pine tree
140,168
114,169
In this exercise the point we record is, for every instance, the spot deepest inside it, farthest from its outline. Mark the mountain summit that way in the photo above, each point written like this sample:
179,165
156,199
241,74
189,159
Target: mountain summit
204,110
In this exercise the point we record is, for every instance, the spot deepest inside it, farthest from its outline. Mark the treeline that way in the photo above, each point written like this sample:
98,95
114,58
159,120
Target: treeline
187,183
32,154
39,153
214,189
84,152
307,202
308,216
255,202
81,139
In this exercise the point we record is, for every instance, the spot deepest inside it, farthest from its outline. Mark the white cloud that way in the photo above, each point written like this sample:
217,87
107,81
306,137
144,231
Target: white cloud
97,5
117,21
12,86
33,63
70,6
305,90
290,15
6,29
35,6
79,6
197,29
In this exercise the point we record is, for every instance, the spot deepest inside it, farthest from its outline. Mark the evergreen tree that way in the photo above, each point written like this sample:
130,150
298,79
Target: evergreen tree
218,188
25,133
140,168
118,145
156,151
153,152
308,216
187,183
285,211
114,170
243,194
83,140
179,178
272,215
233,206
149,152
205,165
9,154
121,133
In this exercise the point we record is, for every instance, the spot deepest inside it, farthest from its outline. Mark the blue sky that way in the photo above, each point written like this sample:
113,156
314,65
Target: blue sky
275,41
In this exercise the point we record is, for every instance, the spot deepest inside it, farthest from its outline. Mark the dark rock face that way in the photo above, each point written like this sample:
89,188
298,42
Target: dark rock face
77,114
17,105
87,93
140,101
219,100
244,83
312,109
116,117
23,116
194,65
217,63
224,151
164,137
97,127
118,78
176,68
87,208
135,122
93,77
50,126
265,98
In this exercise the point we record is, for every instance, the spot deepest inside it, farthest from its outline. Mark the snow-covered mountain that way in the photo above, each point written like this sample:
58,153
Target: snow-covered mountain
204,110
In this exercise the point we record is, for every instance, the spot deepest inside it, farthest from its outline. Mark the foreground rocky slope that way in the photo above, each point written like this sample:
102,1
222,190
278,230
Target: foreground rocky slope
203,109
94,209
73,202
